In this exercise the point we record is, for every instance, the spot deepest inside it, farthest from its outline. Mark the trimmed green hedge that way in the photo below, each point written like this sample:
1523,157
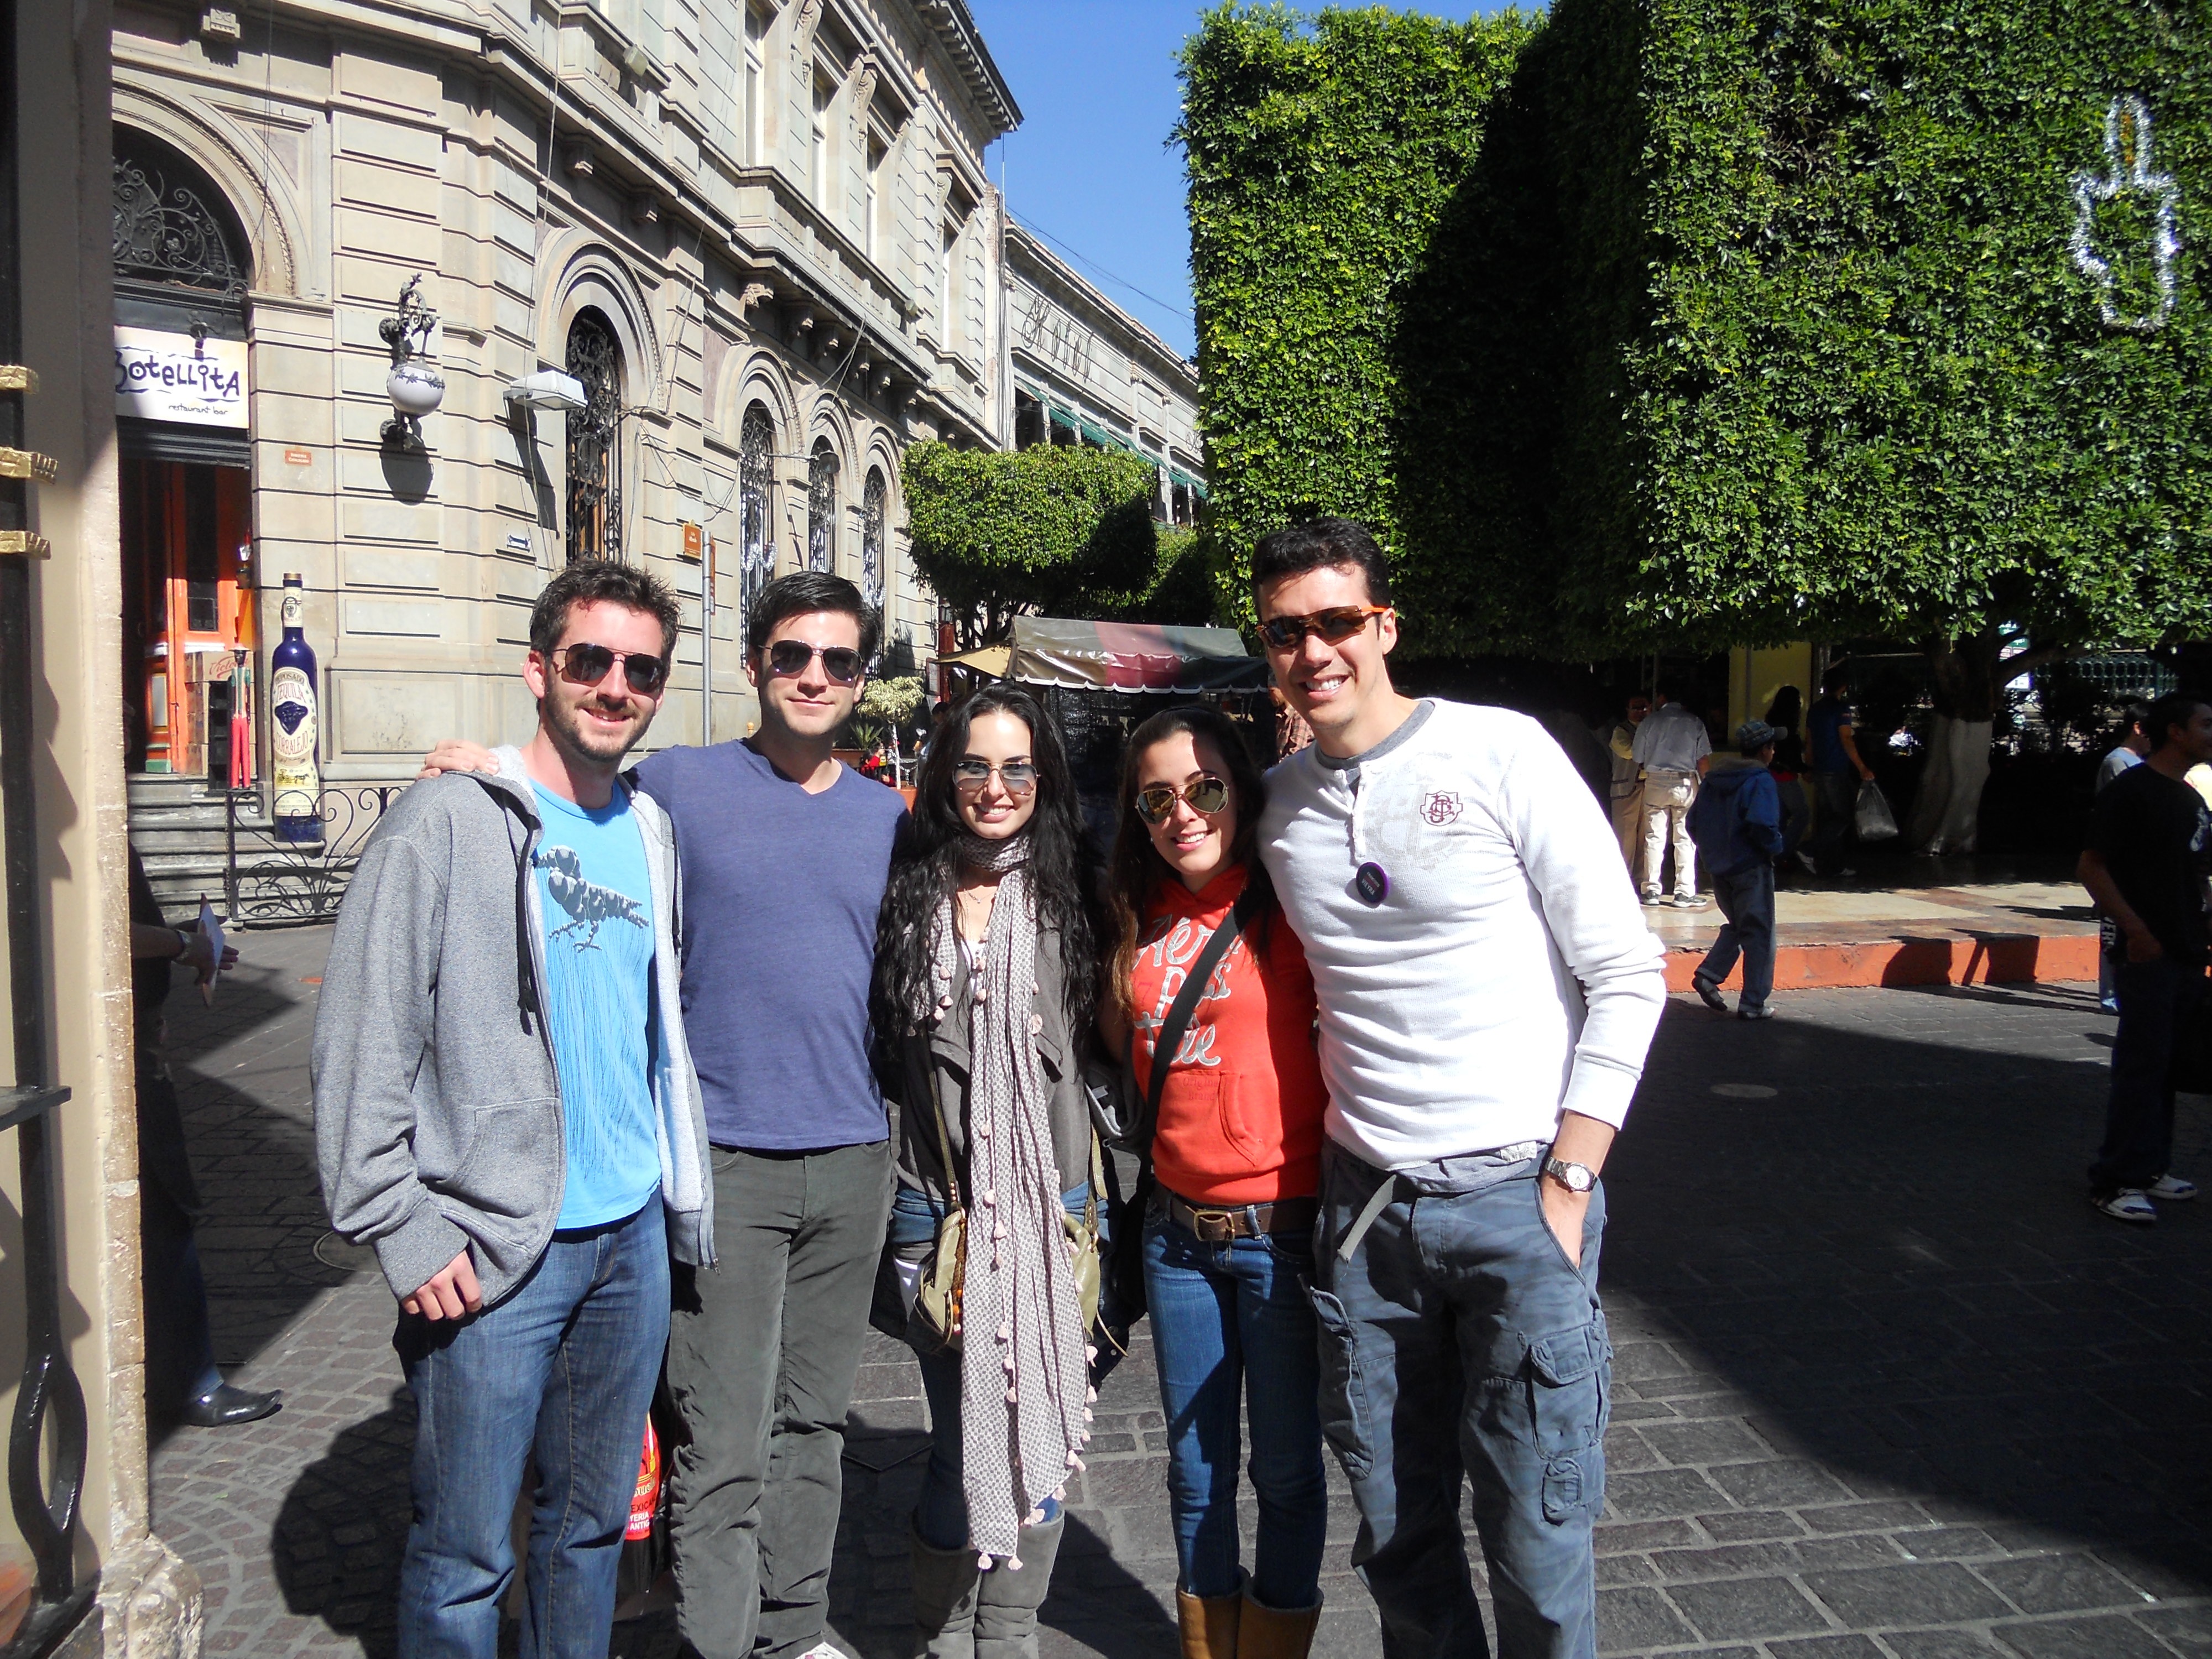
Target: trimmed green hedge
1321,153
1745,320
1057,530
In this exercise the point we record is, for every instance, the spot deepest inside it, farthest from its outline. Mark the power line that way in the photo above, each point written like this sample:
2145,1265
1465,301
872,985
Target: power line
1123,281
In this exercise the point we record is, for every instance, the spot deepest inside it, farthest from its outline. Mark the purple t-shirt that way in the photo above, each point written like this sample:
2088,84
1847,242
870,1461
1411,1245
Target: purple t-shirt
780,891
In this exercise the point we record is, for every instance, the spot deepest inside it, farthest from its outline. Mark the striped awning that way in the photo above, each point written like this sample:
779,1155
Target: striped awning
1132,657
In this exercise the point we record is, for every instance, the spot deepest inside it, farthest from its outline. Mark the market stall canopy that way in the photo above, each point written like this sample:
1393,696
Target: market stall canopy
991,659
1132,656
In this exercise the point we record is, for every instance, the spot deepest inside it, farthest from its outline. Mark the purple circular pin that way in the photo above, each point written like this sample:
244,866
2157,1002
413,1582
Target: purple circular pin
1371,882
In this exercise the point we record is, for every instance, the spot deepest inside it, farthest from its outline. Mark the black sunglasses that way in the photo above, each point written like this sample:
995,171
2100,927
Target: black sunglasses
587,664
1335,625
840,662
1207,797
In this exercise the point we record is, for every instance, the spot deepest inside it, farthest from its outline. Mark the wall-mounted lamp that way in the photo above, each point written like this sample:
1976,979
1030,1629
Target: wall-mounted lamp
414,387
549,389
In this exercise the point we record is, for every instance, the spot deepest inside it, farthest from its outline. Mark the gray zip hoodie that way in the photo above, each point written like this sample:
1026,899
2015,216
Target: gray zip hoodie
437,1103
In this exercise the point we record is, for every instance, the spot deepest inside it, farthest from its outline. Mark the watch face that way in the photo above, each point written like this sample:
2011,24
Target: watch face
1575,1177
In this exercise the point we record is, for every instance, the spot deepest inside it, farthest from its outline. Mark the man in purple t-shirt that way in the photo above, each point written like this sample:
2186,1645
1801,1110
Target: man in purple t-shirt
783,852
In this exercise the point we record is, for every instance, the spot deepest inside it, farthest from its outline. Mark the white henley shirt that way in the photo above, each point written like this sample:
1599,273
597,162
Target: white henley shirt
1507,974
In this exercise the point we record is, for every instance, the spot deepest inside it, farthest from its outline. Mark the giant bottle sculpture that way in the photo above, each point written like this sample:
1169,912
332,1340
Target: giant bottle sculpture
297,779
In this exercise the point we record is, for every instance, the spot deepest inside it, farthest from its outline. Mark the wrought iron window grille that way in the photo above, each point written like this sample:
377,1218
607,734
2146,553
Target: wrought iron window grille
595,496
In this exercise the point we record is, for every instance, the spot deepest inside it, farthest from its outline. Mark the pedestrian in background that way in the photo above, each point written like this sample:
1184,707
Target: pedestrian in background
1833,752
784,851
1237,1148
1737,822
2130,743
1786,714
1487,991
1627,792
182,1380
1674,749
985,992
2145,866
506,1108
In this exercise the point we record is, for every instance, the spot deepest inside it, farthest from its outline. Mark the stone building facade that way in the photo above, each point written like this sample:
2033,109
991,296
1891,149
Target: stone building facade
757,232
1084,371
757,238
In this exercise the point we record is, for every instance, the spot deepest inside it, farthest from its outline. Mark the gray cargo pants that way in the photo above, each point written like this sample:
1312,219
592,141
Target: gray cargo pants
1458,1342
762,1350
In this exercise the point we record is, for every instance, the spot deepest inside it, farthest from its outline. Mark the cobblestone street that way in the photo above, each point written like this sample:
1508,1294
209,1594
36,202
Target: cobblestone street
1885,1384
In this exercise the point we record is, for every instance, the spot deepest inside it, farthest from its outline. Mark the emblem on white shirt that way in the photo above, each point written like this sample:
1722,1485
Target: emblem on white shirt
1441,806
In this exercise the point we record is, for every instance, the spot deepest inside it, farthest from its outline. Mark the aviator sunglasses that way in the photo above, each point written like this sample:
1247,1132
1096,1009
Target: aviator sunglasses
1205,796
840,662
1335,625
971,774
587,664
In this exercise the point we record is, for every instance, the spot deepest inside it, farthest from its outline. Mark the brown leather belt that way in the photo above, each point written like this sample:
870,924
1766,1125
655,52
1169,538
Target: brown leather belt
1214,1224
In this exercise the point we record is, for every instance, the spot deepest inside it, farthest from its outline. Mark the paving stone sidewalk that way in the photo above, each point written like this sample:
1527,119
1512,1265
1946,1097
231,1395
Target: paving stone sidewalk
1885,1384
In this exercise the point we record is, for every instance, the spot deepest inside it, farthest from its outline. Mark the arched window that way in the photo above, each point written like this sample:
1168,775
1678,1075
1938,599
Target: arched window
595,440
821,508
172,225
873,498
755,469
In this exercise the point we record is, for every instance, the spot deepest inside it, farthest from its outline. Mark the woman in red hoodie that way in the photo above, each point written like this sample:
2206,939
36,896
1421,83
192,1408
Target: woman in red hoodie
1236,1150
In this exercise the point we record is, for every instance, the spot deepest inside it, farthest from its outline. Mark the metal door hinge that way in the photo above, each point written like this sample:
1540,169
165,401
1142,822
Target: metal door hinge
24,542
28,464
14,377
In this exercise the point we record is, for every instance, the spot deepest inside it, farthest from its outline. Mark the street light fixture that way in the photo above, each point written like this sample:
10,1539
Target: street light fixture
414,387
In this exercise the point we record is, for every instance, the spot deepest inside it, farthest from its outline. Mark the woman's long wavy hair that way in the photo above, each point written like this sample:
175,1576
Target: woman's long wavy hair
1137,867
927,869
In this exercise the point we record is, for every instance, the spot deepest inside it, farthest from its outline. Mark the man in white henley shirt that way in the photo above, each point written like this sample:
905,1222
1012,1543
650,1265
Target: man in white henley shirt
1488,990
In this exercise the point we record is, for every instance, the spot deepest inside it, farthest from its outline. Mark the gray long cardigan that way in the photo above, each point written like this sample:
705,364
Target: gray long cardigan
943,1052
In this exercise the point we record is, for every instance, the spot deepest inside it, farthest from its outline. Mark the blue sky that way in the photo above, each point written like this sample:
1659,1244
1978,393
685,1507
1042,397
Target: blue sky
1090,169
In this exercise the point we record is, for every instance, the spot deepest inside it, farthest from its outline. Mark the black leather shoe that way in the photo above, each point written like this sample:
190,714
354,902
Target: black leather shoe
1708,992
223,1406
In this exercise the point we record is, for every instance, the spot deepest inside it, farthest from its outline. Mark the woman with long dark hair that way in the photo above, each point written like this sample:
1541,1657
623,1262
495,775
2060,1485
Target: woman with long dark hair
984,990
1236,1152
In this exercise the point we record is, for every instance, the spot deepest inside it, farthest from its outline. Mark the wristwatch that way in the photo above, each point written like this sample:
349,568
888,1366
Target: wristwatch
184,944
1575,1177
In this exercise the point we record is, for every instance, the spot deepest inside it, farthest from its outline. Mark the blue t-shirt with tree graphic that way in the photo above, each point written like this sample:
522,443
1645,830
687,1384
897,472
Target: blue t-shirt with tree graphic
595,893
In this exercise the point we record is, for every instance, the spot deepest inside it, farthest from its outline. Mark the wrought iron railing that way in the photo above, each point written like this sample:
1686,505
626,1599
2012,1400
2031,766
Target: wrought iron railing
269,881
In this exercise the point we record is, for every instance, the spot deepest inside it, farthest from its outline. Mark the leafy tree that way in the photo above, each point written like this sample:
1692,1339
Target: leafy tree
1059,530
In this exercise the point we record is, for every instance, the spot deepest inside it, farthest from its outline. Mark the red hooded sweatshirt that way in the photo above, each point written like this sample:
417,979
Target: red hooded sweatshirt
1241,1112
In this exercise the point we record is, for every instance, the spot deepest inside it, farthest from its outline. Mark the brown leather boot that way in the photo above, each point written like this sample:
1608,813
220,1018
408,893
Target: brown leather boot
1266,1633
1209,1625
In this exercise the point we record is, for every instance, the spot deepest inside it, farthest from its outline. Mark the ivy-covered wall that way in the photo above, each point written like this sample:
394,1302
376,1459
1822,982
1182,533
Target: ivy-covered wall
1708,322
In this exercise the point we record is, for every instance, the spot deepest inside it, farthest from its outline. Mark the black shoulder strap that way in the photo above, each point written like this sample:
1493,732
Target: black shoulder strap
1257,893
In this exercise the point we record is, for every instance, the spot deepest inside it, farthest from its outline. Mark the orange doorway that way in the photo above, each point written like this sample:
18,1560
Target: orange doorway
187,577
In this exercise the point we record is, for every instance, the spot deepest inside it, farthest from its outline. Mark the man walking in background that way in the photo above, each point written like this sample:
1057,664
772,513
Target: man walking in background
2124,756
1737,824
784,851
1627,794
1487,993
506,1109
2145,866
1674,749
1838,771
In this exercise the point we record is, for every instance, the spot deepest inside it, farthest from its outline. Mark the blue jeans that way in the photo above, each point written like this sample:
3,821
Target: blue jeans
1231,1326
1746,899
564,1367
2158,1000
1458,1339
940,1514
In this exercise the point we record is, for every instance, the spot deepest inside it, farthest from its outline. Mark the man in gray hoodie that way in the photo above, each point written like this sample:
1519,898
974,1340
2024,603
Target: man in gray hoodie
506,1108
